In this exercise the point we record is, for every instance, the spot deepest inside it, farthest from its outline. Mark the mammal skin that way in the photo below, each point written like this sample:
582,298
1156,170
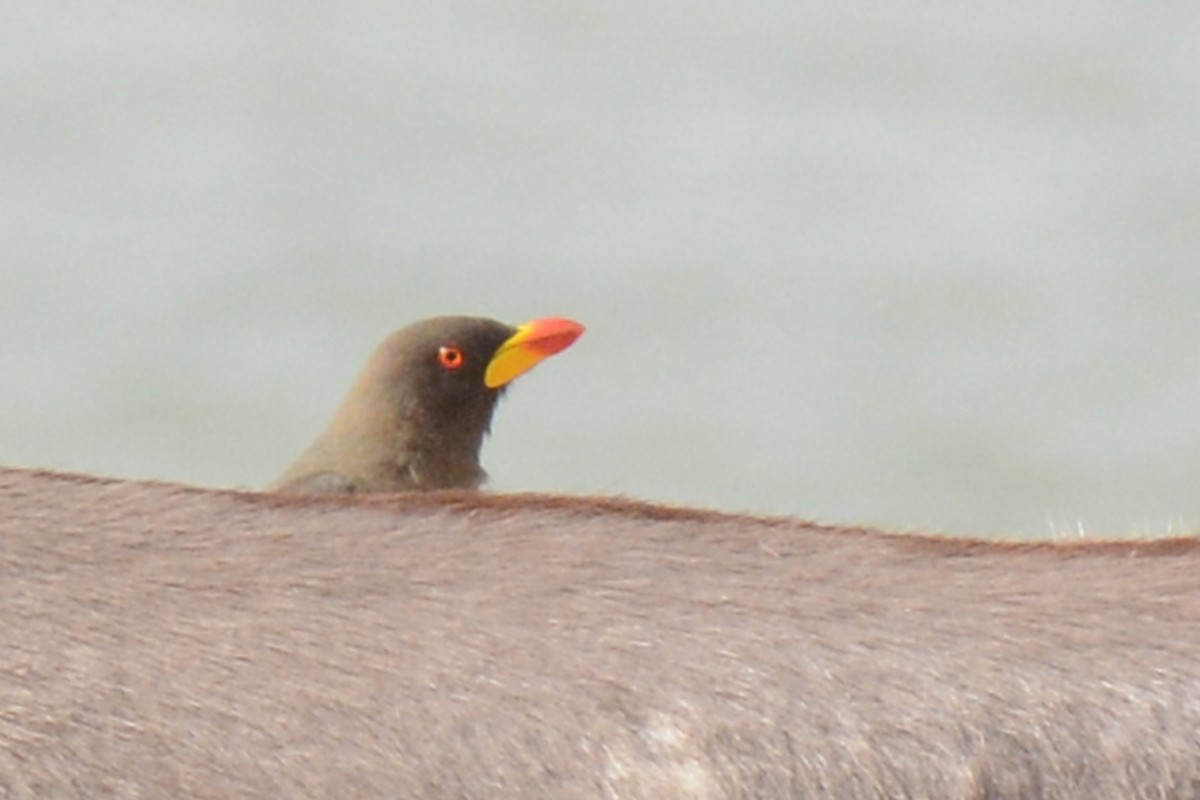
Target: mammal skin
161,641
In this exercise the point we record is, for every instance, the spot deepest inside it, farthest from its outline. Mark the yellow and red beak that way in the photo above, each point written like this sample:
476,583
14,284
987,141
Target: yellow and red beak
532,343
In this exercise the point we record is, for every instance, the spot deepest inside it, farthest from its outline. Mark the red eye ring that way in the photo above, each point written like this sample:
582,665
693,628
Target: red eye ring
451,357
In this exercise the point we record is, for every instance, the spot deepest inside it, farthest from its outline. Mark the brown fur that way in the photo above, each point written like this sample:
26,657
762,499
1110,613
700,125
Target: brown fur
161,641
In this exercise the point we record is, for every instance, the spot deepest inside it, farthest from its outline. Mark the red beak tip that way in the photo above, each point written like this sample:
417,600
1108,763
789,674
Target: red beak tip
555,335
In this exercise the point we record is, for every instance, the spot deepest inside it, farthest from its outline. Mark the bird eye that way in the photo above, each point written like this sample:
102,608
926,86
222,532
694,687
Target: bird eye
451,357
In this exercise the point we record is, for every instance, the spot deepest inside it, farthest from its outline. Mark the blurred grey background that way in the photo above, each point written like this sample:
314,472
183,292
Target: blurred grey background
916,264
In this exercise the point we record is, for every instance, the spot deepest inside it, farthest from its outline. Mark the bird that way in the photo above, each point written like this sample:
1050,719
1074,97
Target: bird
416,416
